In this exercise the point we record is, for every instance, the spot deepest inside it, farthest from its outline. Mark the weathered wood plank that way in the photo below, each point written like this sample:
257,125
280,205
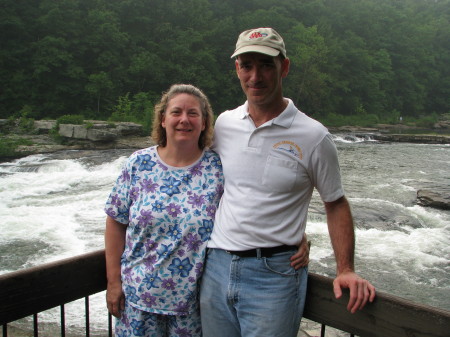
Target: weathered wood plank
36,289
387,316
33,290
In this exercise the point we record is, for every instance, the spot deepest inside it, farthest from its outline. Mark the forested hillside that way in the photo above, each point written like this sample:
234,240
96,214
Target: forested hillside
374,59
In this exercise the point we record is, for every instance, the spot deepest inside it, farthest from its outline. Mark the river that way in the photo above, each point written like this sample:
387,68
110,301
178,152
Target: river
52,208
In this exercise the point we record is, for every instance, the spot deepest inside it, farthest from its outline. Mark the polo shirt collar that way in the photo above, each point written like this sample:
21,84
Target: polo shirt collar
284,119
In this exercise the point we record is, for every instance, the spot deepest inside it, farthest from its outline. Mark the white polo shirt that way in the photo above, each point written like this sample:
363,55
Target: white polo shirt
270,174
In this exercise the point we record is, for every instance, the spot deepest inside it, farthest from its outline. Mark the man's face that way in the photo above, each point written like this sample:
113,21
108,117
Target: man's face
261,76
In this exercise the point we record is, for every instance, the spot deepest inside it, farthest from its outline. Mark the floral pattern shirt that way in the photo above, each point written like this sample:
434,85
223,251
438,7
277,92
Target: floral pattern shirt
169,213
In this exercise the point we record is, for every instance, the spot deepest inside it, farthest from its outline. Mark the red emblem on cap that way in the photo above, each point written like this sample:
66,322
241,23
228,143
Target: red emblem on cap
256,35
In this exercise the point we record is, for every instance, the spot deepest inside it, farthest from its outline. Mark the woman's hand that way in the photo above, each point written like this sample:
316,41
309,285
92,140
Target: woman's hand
301,258
115,298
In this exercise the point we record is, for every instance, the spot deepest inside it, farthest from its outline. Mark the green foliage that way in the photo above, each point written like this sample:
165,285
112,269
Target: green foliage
389,58
66,119
7,127
143,109
122,111
26,125
70,119
332,119
8,146
392,117
98,86
364,120
308,84
138,109
426,122
26,111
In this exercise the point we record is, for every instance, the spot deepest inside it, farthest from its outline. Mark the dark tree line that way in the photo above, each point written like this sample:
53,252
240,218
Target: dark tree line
375,58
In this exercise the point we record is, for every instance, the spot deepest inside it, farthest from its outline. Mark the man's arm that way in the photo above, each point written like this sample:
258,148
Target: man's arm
114,247
342,234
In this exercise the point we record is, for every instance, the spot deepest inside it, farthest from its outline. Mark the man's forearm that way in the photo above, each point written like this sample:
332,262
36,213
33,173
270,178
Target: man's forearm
342,234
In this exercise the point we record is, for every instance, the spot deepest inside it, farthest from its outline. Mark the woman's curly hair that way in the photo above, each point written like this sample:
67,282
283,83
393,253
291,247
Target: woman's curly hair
159,133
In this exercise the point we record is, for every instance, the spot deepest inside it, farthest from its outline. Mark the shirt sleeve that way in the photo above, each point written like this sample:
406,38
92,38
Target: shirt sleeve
118,203
326,173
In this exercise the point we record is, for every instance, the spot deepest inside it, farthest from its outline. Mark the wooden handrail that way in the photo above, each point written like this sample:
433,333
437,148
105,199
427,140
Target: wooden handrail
387,316
32,290
36,289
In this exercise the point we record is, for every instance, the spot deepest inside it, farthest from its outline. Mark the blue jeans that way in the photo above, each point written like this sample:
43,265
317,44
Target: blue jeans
251,296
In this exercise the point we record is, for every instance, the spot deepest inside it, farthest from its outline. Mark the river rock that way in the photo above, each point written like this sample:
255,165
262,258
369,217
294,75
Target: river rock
99,131
411,138
99,135
129,129
84,133
433,199
44,126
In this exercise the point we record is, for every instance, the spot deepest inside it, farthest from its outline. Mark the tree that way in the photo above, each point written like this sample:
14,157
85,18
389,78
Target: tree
308,82
17,24
99,86
348,57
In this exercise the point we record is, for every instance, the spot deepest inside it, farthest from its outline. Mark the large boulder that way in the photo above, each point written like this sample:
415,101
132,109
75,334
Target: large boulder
129,129
101,135
84,133
44,126
433,199
97,131
66,130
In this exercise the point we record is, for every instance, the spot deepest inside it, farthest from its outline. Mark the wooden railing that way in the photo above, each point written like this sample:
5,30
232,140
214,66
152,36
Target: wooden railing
30,291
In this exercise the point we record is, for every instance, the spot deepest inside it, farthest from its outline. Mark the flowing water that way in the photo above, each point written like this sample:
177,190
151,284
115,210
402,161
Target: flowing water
52,208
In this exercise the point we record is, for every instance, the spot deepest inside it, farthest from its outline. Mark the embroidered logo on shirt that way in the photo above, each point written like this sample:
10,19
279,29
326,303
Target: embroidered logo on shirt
291,147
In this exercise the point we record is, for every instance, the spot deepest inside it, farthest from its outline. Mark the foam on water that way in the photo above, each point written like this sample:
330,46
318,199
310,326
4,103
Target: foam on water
59,204
349,139
53,208
416,255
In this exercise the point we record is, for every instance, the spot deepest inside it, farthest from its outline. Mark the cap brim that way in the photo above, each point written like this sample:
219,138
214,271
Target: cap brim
256,49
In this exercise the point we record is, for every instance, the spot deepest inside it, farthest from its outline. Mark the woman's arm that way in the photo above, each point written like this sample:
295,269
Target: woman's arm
114,247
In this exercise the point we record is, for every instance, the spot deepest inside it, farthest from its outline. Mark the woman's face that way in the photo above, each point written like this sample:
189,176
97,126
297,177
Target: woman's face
183,119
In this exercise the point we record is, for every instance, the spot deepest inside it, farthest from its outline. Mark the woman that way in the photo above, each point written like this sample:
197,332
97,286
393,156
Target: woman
160,214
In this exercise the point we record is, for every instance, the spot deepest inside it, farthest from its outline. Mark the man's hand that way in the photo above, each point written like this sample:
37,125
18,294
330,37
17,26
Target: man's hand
115,299
361,290
301,258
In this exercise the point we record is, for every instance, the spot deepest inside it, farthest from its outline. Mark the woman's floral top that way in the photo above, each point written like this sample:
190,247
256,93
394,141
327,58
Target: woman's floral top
170,216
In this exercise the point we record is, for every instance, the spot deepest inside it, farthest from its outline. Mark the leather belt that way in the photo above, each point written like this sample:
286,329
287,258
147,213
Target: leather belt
263,252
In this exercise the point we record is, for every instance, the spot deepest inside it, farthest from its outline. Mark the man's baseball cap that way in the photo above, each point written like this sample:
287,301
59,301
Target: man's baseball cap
260,40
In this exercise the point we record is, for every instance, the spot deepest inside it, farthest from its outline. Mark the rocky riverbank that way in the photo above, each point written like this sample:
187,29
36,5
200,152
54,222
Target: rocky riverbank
101,135
399,133
93,135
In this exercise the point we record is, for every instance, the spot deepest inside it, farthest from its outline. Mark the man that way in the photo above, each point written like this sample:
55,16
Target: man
273,156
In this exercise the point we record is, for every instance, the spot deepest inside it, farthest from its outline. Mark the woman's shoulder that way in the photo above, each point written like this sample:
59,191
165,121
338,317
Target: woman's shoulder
142,152
147,154
210,154
212,161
